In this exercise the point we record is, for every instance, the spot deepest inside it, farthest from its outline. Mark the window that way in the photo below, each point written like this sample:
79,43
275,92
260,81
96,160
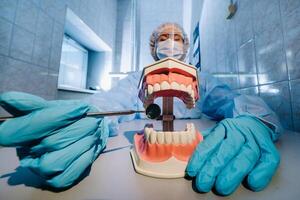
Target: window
73,65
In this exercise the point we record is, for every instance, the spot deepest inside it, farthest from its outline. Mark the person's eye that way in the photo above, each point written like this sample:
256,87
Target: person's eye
178,38
163,37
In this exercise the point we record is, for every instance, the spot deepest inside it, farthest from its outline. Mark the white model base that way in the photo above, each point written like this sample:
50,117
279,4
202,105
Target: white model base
171,168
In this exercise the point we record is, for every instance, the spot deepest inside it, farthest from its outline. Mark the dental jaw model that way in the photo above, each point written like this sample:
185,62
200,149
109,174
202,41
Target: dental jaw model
164,154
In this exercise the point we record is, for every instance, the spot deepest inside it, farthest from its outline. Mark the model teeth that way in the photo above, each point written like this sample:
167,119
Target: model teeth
156,87
183,88
193,94
189,89
189,138
147,132
160,137
175,86
189,99
150,89
153,137
181,137
165,85
192,129
175,138
168,137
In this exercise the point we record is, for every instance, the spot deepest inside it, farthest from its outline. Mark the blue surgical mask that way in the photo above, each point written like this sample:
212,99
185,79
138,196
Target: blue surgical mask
169,48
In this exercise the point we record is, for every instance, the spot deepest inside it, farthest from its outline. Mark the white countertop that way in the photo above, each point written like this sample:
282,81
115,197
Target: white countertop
112,175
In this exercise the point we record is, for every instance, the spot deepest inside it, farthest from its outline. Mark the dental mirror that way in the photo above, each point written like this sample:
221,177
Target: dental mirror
153,111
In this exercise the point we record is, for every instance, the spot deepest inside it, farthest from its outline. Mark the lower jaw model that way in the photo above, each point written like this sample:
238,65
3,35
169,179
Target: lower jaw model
165,154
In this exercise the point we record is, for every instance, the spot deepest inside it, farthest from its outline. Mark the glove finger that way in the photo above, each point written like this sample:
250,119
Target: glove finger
239,167
268,162
20,103
28,129
229,148
74,171
67,135
205,149
49,164
102,135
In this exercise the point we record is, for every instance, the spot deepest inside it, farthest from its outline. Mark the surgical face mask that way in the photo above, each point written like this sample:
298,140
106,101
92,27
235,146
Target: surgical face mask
169,48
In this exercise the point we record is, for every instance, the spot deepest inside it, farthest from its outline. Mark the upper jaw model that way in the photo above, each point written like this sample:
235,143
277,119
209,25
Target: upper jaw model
164,154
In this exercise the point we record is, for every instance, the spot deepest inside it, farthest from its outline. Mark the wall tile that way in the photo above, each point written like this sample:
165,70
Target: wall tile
231,63
226,40
208,50
74,5
41,52
292,42
42,43
55,8
52,83
90,15
65,95
3,65
27,14
8,9
123,37
44,26
287,6
56,44
295,93
220,47
209,64
34,83
57,35
249,91
228,72
247,65
5,36
55,56
22,44
244,22
37,2
271,62
218,34
277,96
266,15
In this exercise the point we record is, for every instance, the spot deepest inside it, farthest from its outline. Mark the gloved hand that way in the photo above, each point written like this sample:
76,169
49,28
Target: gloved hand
54,139
235,149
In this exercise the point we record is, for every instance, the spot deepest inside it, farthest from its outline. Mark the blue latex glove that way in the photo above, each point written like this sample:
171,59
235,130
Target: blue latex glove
53,138
235,149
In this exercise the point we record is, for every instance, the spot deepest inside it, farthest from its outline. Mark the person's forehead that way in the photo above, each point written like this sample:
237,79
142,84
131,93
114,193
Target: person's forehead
170,29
